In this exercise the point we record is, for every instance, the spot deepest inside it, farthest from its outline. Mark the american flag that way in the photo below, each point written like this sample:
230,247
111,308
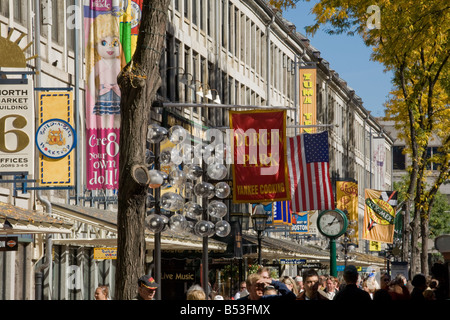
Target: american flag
307,158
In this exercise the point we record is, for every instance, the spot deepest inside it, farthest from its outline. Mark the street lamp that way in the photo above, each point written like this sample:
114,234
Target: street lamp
259,219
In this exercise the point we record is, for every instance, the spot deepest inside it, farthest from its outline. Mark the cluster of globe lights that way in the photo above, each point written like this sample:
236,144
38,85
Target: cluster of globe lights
188,181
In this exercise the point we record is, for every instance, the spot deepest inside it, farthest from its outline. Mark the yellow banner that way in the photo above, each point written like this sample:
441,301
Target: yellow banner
379,215
308,94
105,253
55,139
347,199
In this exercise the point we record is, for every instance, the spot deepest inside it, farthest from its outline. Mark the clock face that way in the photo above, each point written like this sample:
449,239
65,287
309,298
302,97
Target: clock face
332,223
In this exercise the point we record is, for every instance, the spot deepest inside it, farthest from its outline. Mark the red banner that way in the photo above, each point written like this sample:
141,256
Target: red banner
259,156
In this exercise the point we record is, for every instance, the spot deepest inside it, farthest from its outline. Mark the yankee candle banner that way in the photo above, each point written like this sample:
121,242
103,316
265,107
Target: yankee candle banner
259,156
379,215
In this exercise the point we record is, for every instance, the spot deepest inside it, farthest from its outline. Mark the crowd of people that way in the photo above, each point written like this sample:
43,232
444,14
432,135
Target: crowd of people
311,286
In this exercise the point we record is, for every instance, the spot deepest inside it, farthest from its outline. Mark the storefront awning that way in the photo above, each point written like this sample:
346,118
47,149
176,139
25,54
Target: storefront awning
275,249
15,220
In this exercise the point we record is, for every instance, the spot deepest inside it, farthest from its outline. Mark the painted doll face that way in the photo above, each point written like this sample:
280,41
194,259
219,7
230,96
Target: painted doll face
108,47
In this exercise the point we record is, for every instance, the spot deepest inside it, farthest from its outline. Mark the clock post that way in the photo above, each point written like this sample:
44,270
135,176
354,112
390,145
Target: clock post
333,263
332,224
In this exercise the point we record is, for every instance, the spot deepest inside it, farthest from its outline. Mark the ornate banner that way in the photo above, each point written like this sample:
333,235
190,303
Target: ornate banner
56,138
104,60
379,215
347,199
307,114
259,156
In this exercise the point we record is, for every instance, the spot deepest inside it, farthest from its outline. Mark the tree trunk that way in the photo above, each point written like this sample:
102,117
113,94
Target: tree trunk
139,82
424,230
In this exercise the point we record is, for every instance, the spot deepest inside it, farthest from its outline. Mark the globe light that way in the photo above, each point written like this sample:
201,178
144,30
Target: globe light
177,178
217,209
166,222
177,223
217,171
156,178
186,153
154,222
222,228
203,228
156,133
165,156
177,134
204,189
188,190
190,226
222,190
172,201
176,155
193,171
192,210
212,229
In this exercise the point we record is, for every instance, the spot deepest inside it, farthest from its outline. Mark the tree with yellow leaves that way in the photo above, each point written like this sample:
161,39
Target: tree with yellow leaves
411,39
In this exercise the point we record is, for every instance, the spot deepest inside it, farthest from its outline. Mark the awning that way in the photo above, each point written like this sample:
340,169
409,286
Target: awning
105,222
274,248
15,220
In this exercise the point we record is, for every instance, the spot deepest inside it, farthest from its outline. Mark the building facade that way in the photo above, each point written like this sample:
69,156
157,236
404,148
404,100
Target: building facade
245,52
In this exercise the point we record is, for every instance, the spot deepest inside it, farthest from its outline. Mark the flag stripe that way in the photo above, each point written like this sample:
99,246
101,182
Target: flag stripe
310,182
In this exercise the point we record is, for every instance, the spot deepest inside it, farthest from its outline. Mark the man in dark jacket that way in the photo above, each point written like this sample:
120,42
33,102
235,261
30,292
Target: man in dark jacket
351,292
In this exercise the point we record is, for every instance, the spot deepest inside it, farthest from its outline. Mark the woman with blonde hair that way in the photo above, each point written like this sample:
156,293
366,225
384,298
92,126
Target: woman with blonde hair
102,293
195,292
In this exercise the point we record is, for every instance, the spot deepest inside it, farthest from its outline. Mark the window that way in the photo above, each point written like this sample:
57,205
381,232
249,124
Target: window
398,158
70,30
19,11
4,8
185,9
194,12
433,164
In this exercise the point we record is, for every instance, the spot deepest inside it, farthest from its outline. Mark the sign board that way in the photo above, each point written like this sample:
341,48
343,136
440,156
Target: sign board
55,138
16,128
105,253
9,243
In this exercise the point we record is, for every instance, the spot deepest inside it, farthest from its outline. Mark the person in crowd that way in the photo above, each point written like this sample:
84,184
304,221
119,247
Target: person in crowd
322,282
419,283
102,293
256,284
299,283
311,287
440,272
147,287
331,287
398,289
382,294
242,291
264,272
351,292
290,283
195,292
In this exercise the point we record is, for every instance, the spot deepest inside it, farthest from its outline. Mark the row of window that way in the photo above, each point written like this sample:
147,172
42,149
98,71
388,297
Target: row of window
399,158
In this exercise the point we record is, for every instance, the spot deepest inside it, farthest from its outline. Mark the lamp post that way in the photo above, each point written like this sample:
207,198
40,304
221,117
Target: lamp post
259,219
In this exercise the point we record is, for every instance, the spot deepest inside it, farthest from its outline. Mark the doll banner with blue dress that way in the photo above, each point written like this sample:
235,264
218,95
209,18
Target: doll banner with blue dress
103,25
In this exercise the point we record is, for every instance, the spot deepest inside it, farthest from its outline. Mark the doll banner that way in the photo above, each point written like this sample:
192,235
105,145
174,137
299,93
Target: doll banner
104,60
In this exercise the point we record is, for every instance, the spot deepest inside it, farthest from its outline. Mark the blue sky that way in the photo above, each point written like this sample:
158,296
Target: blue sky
349,57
